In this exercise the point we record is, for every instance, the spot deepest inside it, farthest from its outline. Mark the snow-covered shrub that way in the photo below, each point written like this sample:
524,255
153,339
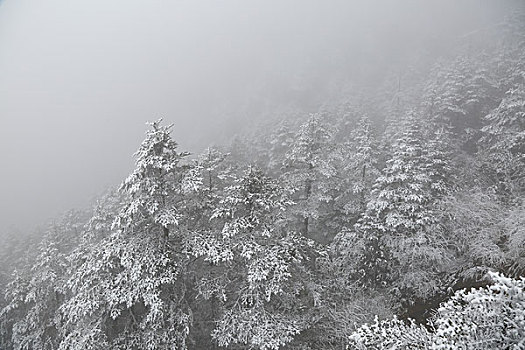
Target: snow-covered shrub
390,334
485,318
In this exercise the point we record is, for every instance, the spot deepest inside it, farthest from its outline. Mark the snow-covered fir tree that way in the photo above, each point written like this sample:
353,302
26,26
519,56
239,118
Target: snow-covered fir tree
256,267
504,141
155,185
36,293
397,228
359,169
310,172
127,293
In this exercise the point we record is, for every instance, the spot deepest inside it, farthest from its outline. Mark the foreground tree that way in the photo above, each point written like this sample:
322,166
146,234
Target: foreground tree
127,293
257,270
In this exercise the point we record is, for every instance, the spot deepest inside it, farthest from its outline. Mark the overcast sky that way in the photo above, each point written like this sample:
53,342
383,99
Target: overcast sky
78,79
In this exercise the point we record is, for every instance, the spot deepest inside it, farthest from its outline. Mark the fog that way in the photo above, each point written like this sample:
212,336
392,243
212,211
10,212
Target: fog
79,79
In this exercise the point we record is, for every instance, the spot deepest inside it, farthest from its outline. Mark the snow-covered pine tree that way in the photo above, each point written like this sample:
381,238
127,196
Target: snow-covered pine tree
438,157
504,141
37,291
154,186
212,172
359,170
17,253
398,243
127,293
280,141
257,268
310,170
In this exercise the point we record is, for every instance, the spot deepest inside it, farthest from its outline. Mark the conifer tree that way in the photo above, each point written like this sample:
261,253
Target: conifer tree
208,176
256,267
459,93
504,141
127,293
37,291
359,169
155,185
310,172
281,140
396,226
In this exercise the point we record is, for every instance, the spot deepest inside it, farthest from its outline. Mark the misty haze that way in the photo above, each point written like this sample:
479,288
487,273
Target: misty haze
262,175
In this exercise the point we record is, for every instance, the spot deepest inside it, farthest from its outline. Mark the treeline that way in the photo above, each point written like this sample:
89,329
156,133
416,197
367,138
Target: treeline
298,235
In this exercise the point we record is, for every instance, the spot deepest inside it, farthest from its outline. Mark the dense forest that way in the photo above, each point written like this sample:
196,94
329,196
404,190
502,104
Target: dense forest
388,216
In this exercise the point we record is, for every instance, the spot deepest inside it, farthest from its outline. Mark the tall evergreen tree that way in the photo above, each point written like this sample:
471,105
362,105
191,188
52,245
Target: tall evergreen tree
359,170
257,268
128,293
310,172
395,228
155,185
504,141
37,291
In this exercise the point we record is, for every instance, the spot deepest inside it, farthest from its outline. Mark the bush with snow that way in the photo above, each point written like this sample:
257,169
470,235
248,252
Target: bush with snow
485,318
